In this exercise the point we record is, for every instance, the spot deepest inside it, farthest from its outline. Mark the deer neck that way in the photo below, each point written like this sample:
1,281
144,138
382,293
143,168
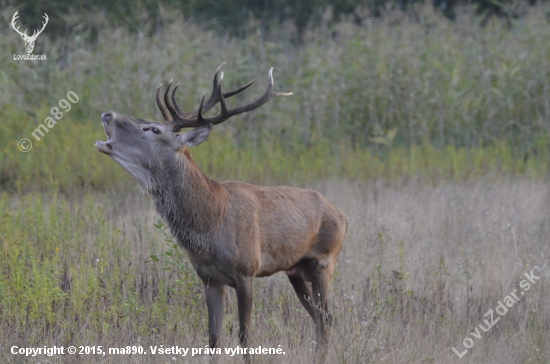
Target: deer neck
192,204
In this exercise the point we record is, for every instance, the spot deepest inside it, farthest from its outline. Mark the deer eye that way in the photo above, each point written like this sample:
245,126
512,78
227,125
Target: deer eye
153,129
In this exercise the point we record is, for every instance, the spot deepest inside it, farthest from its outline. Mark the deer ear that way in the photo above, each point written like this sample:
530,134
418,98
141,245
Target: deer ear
196,136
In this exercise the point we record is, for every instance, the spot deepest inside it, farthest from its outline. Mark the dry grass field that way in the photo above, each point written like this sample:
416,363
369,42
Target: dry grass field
420,267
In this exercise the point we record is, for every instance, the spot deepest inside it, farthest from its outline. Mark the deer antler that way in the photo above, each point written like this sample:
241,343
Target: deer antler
43,26
35,33
212,100
188,120
13,19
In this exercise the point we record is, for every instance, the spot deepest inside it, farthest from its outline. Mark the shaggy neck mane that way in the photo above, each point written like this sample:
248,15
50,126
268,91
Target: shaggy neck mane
192,204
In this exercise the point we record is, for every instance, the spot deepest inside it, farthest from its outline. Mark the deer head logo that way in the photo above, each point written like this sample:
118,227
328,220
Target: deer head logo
29,40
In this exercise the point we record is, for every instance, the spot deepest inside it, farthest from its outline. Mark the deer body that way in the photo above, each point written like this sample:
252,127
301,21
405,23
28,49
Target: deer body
252,231
232,231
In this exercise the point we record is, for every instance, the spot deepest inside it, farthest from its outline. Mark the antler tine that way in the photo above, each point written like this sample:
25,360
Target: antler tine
13,19
234,92
166,100
161,106
199,113
223,105
213,99
214,96
174,100
176,113
44,23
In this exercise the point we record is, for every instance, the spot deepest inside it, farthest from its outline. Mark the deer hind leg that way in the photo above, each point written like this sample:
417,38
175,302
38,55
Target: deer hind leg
215,301
303,291
321,275
244,303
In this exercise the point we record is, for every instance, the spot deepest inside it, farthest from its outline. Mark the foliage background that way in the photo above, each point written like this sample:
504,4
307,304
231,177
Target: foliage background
379,98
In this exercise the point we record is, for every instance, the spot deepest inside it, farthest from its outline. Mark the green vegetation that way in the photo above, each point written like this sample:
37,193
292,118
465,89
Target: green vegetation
64,267
231,16
444,100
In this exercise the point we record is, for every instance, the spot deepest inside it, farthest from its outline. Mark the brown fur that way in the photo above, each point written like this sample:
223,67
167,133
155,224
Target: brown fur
233,231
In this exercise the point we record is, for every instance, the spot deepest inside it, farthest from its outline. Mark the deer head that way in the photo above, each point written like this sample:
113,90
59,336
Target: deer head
142,146
29,40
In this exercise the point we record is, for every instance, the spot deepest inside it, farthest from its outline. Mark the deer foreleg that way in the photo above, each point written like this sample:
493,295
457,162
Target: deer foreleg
215,300
244,303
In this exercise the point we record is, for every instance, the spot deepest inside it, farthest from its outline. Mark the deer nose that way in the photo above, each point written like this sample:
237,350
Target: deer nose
107,116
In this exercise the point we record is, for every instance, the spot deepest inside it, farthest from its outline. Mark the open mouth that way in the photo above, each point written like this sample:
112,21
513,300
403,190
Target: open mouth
108,133
106,146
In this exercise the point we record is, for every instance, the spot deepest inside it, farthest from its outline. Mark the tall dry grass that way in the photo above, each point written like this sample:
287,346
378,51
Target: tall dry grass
420,267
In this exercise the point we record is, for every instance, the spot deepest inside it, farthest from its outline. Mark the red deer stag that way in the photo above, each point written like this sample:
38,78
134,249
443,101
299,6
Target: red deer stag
232,231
